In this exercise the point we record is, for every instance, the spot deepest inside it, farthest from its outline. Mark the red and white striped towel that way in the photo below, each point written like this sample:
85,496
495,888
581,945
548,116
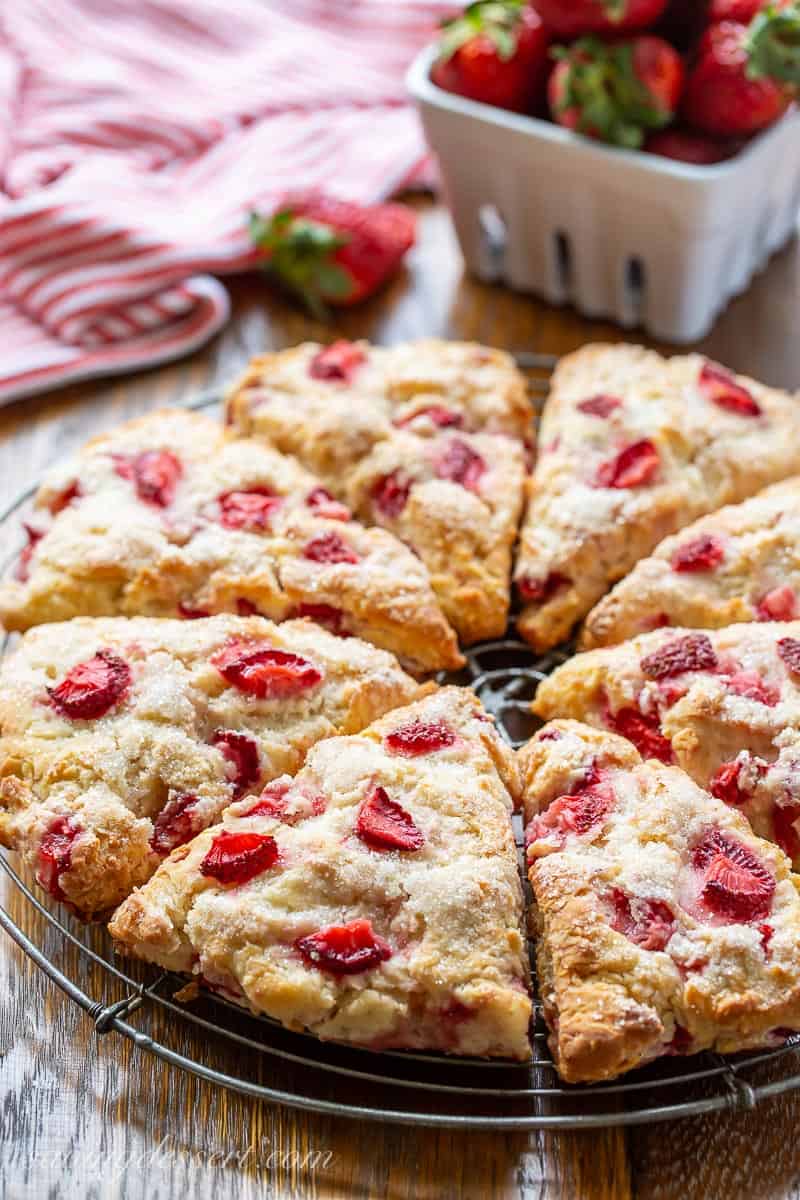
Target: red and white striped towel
135,135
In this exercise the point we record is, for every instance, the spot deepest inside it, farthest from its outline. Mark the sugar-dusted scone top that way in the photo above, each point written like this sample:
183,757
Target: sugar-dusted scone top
741,563
409,856
664,926
101,776
724,704
169,516
632,447
427,439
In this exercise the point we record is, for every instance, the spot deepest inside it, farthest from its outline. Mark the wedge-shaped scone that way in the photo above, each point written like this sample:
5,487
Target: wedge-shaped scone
169,516
427,439
120,739
723,704
664,926
373,899
633,447
739,564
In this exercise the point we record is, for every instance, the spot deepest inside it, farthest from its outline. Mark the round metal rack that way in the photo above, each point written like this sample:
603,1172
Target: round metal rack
258,1057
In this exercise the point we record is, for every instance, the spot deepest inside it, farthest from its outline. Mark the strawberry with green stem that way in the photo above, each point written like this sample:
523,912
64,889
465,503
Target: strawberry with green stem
576,18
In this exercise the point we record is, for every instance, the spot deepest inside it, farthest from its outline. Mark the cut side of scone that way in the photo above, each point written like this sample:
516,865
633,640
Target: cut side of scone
373,899
664,925
170,516
723,704
427,439
120,739
632,447
739,564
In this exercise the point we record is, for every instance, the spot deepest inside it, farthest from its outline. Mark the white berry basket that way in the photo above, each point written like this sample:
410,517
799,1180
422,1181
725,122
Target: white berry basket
639,239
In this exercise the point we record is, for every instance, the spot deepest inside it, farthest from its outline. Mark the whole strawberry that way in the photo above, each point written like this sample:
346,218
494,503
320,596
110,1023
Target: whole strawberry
333,253
684,145
495,52
575,18
616,91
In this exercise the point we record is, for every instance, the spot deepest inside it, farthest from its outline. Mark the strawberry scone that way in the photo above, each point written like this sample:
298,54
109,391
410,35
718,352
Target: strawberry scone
374,899
633,447
169,516
739,564
664,926
120,739
723,704
427,439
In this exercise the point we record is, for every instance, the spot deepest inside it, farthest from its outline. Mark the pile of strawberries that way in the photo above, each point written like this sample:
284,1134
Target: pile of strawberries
689,79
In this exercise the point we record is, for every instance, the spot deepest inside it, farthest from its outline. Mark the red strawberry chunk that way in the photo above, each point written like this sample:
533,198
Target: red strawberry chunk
192,614
390,493
647,923
778,605
264,672
338,362
681,1042
538,591
767,933
643,731
600,405
383,824
437,414
174,825
239,857
461,464
702,553
789,652
23,567
242,755
92,688
320,501
245,607
750,685
577,813
691,653
726,785
251,509
419,737
154,473
737,886
64,498
344,949
785,831
273,801
55,854
636,465
326,615
330,547
721,389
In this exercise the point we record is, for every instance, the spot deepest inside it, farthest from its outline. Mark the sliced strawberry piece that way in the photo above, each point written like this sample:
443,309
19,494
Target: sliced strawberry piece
264,672
92,688
154,474
461,464
332,619
702,553
718,386
789,652
390,493
320,501
538,591
242,754
635,466
383,824
778,605
338,362
647,923
691,653
239,857
643,731
437,414
65,497
245,607
600,405
55,854
174,825
767,934
419,737
23,568
273,801
192,614
726,783
750,685
329,547
252,509
737,886
344,949
578,813
785,831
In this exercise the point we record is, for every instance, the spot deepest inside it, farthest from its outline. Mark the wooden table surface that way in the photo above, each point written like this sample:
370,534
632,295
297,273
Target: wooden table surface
84,1116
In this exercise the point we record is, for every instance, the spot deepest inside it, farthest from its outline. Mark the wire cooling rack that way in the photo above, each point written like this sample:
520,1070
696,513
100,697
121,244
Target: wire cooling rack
258,1057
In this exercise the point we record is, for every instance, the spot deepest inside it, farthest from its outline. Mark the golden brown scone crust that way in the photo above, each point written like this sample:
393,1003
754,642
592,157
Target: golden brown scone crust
579,538
632,962
104,781
111,552
378,423
449,910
